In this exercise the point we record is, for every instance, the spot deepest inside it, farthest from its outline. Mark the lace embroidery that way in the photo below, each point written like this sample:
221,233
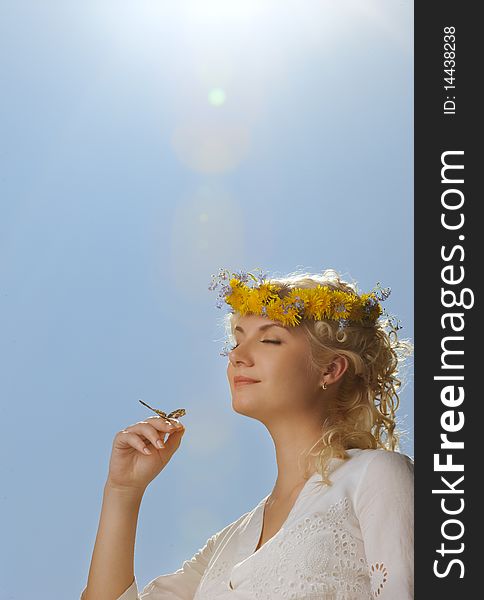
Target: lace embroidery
213,577
316,557
378,578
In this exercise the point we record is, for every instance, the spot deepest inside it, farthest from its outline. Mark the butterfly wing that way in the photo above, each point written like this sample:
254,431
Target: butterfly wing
160,412
179,412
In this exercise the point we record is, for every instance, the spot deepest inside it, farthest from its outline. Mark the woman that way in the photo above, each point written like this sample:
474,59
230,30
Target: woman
316,363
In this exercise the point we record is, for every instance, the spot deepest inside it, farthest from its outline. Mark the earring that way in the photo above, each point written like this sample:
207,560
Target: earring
324,386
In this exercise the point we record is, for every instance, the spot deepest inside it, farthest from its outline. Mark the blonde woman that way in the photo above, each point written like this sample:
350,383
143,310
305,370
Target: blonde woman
317,363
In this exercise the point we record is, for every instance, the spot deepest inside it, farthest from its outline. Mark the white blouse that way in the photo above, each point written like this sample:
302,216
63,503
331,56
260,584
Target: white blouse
352,540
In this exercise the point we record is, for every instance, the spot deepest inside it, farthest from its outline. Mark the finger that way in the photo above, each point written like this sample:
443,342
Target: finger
166,427
154,428
174,440
135,441
163,424
152,434
177,423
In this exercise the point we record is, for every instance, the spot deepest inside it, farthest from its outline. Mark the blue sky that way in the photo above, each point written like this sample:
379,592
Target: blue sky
143,146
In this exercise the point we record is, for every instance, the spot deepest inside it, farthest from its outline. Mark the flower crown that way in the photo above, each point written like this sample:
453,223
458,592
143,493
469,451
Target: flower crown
249,293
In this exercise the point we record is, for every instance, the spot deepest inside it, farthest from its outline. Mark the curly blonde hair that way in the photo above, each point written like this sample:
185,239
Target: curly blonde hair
362,413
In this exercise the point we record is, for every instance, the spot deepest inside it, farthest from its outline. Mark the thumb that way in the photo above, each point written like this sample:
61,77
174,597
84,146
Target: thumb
174,439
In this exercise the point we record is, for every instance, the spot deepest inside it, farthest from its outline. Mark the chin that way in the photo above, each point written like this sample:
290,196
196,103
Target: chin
245,406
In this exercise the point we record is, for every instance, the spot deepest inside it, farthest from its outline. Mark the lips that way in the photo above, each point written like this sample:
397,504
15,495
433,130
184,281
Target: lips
240,380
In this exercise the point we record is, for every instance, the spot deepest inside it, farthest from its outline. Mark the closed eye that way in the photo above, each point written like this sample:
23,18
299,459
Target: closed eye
262,341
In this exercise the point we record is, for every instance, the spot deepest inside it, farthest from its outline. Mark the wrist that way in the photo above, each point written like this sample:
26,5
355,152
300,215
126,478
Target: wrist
128,492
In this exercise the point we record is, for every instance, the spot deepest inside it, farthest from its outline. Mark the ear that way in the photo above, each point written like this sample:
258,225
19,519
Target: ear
335,369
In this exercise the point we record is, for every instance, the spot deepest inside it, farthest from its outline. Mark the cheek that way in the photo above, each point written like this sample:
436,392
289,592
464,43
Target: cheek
290,371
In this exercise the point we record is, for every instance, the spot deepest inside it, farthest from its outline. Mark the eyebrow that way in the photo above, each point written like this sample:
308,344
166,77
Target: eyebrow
262,327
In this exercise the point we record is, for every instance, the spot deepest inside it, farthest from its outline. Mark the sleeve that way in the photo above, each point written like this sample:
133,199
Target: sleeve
183,583
384,506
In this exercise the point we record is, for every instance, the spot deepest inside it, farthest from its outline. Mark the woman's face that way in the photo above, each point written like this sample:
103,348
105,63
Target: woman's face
278,358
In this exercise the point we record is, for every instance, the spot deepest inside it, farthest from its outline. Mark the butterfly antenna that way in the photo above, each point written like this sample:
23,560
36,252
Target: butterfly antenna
147,405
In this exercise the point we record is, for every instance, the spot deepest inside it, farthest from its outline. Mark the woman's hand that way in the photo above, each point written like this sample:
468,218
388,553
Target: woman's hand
131,467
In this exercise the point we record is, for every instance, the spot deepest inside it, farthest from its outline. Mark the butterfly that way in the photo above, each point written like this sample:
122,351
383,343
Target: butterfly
179,412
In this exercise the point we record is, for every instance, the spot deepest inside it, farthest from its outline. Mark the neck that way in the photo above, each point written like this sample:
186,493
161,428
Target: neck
292,440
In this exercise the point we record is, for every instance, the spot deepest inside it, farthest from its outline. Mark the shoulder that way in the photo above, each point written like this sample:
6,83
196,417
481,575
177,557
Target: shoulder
385,460
228,529
220,536
385,471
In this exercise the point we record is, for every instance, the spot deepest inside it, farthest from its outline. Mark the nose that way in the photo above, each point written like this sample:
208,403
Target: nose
239,355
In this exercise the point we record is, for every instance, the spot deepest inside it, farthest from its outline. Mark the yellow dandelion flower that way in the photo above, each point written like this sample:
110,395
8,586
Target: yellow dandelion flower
374,312
338,305
321,302
267,291
292,317
254,302
292,296
305,295
237,299
245,292
274,310
357,311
